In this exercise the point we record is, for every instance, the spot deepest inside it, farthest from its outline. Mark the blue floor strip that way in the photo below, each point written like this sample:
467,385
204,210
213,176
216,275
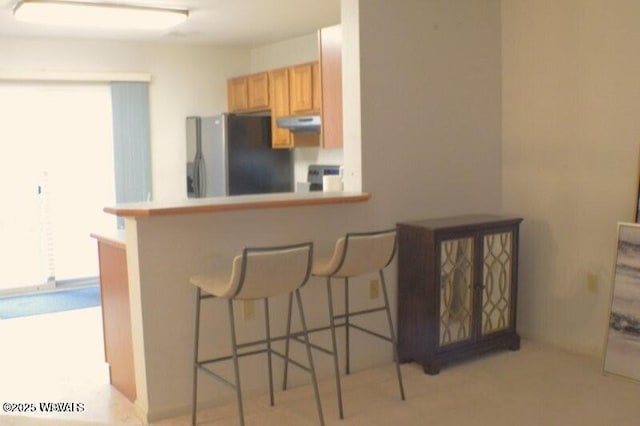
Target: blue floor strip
45,303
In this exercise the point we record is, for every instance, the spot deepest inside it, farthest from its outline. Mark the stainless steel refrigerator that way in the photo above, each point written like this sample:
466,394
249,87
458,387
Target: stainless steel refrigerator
231,154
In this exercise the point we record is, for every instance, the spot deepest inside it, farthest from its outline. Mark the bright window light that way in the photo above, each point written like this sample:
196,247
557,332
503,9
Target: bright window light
97,15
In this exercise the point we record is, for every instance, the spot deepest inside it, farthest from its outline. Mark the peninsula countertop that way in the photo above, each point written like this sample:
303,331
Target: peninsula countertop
235,202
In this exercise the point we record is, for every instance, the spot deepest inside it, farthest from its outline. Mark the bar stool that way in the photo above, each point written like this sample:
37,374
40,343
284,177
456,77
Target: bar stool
355,254
259,273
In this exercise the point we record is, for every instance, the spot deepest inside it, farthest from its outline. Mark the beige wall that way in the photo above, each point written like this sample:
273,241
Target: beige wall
431,146
430,125
431,107
571,102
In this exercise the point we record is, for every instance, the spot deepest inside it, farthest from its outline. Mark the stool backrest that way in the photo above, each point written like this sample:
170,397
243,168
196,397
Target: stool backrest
269,271
361,253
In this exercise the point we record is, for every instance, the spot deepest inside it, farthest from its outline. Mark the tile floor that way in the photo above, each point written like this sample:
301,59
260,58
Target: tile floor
539,385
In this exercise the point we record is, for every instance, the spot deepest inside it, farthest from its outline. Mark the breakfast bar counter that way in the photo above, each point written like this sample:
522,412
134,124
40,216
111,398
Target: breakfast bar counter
236,202
167,242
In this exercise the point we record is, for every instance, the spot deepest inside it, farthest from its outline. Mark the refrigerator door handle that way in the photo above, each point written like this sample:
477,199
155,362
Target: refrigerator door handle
202,178
199,171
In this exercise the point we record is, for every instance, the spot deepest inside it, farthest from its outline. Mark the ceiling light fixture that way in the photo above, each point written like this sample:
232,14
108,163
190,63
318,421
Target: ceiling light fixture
97,15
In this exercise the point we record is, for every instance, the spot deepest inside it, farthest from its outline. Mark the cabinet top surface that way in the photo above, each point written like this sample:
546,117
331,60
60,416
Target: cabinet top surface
475,220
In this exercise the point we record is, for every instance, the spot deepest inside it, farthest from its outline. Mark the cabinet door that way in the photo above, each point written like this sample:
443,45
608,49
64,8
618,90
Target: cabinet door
279,87
301,88
456,290
237,94
258,87
497,292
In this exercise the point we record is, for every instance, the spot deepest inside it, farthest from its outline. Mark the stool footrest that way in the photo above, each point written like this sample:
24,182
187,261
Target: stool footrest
216,376
296,363
202,365
314,346
366,311
373,333
296,336
229,357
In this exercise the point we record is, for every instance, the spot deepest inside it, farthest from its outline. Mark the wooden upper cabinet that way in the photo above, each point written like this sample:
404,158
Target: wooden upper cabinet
302,89
293,90
237,94
279,88
331,73
281,97
248,93
258,91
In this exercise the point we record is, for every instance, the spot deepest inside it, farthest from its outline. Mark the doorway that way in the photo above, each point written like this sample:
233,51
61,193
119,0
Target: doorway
56,175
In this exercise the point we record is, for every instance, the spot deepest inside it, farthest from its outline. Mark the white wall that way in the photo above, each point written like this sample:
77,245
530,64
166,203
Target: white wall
297,50
571,97
185,80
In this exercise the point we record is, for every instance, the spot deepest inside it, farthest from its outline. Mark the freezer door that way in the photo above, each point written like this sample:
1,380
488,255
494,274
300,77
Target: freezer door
254,167
214,154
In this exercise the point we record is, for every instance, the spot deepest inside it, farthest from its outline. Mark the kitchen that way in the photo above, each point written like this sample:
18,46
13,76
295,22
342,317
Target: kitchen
191,80
447,99
293,113
185,80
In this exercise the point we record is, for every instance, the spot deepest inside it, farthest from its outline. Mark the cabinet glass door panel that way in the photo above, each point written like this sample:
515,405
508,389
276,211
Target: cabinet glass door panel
456,285
496,294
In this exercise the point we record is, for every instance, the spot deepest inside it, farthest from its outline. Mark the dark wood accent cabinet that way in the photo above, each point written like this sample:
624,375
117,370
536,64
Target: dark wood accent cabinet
457,281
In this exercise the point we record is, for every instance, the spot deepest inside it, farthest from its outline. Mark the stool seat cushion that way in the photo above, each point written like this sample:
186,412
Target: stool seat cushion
365,253
221,285
260,274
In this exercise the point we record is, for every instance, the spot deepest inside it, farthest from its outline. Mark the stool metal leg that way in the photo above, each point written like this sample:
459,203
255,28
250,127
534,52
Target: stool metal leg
196,341
393,334
336,364
286,344
346,326
310,357
234,348
268,333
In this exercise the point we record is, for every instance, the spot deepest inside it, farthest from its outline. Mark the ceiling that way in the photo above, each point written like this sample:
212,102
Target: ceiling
235,23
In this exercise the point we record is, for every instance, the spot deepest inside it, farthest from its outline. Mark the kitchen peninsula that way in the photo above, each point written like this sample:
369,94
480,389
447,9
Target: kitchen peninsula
167,242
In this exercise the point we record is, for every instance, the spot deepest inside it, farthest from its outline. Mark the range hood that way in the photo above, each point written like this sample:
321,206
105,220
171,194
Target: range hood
300,123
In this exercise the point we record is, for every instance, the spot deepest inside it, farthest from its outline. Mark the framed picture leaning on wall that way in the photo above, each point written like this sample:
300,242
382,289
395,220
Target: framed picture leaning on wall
622,346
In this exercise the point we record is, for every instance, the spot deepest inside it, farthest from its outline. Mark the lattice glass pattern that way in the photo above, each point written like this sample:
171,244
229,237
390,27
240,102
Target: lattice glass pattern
498,251
456,284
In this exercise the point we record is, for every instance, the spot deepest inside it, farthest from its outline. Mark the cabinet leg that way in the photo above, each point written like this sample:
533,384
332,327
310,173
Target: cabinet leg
515,345
404,358
431,368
